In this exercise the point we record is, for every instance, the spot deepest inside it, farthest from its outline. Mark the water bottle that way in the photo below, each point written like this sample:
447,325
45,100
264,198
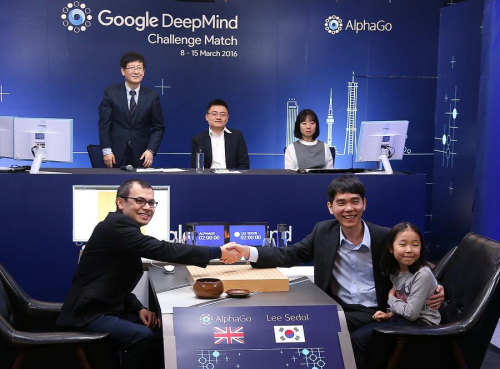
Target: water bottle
190,235
200,160
282,235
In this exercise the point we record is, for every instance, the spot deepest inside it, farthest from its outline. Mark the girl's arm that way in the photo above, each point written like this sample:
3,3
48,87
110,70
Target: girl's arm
423,282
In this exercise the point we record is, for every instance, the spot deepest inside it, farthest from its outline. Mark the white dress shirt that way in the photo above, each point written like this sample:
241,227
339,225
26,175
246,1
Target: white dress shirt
218,148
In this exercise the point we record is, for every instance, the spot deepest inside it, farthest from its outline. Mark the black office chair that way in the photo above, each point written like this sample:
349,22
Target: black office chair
333,152
29,335
470,274
95,155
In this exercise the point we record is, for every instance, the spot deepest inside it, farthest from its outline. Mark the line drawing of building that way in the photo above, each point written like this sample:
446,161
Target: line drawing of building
292,110
448,138
350,145
329,121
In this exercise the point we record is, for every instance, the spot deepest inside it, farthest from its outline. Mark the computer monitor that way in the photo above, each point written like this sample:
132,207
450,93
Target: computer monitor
92,203
43,139
206,234
7,137
250,234
382,141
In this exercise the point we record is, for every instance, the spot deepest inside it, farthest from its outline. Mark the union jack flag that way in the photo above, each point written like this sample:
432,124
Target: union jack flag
228,335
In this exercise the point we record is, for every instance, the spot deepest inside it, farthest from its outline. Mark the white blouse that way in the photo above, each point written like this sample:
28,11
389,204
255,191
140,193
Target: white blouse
291,156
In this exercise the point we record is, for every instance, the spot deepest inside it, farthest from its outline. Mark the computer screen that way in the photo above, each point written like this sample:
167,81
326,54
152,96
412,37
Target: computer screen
7,137
92,203
250,234
382,141
43,139
206,234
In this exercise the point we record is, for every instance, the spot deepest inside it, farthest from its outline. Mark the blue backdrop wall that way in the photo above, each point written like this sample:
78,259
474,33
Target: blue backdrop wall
266,58
486,210
269,58
456,130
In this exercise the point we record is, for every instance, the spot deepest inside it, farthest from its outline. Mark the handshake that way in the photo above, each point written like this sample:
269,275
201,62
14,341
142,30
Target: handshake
232,252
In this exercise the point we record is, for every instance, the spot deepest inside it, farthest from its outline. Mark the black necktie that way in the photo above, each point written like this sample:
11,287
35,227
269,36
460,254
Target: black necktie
133,104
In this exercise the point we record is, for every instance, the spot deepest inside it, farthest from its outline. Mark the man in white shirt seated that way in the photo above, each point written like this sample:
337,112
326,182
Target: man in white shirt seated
223,148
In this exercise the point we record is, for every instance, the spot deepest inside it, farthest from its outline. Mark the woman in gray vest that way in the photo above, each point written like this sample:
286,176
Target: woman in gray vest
308,152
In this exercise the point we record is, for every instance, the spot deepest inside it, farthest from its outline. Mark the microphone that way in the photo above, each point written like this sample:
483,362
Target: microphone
128,168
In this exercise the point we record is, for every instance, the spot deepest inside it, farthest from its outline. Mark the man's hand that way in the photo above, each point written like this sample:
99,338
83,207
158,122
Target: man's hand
244,251
435,300
380,315
230,253
149,318
148,158
109,160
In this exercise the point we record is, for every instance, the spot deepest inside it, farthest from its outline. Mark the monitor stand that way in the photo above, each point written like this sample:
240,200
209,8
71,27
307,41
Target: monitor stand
384,159
39,156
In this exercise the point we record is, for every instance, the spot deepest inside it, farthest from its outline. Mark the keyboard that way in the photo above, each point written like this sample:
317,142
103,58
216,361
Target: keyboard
339,170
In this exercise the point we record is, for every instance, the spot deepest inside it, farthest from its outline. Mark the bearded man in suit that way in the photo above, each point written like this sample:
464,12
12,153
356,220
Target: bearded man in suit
130,118
100,298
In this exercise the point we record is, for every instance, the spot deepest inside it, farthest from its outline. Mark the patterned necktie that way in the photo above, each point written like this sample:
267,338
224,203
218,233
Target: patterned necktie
133,104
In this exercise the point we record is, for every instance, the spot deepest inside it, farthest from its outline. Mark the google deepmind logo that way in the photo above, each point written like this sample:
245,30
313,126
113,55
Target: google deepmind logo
76,17
334,24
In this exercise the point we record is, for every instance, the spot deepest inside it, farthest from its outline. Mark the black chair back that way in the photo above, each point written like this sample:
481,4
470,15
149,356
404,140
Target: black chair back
5,306
471,280
472,266
95,155
333,152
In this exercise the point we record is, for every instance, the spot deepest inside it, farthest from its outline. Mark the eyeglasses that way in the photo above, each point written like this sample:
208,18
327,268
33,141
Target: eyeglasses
213,114
142,202
135,69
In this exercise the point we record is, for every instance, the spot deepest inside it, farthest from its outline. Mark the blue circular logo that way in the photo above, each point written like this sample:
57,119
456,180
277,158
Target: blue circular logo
206,319
76,17
333,24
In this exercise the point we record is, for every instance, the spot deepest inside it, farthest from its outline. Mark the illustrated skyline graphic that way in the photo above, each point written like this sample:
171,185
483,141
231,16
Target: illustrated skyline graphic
350,142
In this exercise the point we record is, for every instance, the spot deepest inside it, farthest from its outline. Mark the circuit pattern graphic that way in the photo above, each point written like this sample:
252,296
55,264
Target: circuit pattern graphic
448,138
309,358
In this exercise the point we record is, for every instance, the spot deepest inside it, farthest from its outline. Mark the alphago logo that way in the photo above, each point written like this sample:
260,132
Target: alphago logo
333,24
76,17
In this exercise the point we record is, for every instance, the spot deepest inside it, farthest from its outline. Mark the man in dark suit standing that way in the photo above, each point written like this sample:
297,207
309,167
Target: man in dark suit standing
346,252
223,148
130,118
100,298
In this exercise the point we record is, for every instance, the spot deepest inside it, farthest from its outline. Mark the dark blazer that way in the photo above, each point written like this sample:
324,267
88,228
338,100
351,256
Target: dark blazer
321,246
110,267
117,131
235,147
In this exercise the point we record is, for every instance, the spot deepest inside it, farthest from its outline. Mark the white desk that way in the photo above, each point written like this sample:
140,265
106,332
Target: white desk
169,291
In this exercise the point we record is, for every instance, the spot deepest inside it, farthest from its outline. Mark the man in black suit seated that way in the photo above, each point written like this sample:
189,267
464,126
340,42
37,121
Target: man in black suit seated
346,253
101,299
130,118
223,148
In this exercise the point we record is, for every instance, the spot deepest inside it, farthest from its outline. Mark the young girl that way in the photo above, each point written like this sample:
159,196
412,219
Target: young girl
413,282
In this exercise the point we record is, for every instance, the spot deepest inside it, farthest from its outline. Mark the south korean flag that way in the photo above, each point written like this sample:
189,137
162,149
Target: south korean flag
289,333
